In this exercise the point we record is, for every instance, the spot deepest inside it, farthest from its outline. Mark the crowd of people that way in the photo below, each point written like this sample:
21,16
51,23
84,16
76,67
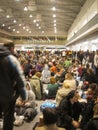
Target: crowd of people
70,79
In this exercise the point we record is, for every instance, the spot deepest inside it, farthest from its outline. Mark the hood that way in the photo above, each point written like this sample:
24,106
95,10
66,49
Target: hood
4,51
35,77
46,67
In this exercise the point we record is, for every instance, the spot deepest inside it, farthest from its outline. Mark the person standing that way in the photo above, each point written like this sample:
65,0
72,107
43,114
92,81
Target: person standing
96,62
12,84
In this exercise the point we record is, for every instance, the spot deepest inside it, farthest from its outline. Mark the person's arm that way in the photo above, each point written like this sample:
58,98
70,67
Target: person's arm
17,76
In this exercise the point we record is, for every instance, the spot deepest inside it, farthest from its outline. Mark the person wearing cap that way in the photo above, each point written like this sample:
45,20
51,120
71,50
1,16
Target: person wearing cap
12,84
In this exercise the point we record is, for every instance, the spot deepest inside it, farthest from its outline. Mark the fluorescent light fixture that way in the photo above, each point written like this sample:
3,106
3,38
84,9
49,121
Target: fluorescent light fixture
39,27
24,27
53,8
17,31
54,21
14,21
37,24
30,16
9,27
25,9
42,31
3,25
34,20
17,0
54,15
29,31
7,16
55,31
13,30
20,24
54,27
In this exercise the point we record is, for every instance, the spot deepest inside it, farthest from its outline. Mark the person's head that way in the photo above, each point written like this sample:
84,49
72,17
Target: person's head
90,71
69,76
52,80
66,85
38,74
97,51
91,90
10,46
95,109
73,96
49,116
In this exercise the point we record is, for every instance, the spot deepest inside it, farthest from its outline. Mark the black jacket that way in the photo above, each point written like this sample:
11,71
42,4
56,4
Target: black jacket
67,112
92,124
11,78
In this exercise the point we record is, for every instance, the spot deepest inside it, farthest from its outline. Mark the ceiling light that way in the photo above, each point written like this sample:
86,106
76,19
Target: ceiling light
55,24
25,8
13,30
3,25
9,27
54,21
39,27
30,16
54,27
55,31
34,20
37,24
54,15
8,16
95,12
19,24
24,27
17,31
29,31
54,8
42,31
14,21
17,0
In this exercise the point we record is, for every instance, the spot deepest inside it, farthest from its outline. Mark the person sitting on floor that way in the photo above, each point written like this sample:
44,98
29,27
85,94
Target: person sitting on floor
48,121
51,89
93,123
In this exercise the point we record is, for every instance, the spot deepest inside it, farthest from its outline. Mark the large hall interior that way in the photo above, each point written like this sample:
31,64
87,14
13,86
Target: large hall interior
56,43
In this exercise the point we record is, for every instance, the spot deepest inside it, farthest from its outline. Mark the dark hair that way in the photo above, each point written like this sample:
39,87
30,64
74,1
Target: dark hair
93,86
49,116
9,45
71,94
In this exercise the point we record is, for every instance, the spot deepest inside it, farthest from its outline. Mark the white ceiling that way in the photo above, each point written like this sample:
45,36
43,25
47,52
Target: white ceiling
41,22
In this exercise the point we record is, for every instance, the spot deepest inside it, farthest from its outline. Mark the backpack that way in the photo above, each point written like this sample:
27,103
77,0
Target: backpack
47,103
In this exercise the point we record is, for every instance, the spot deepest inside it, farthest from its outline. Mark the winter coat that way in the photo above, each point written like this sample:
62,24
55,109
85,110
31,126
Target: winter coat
67,112
46,74
92,124
36,86
87,112
12,81
72,83
62,92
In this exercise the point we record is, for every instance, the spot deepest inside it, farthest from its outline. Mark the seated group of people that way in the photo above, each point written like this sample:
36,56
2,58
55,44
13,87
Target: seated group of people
71,113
